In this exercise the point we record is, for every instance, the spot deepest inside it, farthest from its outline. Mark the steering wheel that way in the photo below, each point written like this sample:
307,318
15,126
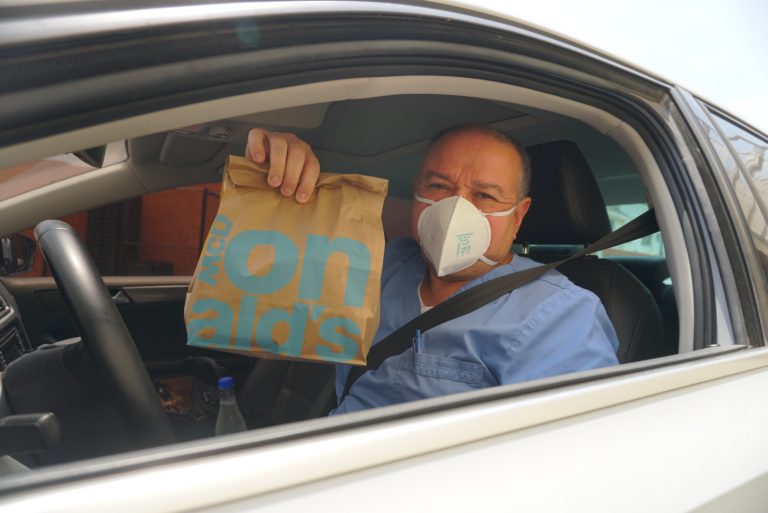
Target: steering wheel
104,334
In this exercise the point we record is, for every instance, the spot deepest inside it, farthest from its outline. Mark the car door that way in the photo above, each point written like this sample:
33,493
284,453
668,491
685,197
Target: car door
683,432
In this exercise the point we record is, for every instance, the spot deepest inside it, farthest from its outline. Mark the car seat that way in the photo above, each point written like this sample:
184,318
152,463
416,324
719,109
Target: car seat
654,274
568,211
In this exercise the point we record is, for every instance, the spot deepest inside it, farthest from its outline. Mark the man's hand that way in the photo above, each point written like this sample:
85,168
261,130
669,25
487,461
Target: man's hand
293,166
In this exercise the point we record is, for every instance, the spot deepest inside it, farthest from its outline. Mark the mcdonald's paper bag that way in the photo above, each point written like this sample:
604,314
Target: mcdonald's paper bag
280,279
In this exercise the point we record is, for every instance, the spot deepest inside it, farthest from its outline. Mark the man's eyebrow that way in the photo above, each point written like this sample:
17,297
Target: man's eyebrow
487,185
480,185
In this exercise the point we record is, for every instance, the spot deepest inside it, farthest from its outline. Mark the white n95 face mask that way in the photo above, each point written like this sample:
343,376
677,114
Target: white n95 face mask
454,234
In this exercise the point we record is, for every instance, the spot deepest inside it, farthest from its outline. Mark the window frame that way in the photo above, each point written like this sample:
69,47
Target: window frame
743,279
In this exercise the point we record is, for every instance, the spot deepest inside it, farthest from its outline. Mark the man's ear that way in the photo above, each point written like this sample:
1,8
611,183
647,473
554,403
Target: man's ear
520,211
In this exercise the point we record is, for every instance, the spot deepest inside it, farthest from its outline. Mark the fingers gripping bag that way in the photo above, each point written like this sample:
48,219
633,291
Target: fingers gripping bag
280,279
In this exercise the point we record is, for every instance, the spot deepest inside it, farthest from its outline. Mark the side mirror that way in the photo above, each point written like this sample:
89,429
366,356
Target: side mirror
17,254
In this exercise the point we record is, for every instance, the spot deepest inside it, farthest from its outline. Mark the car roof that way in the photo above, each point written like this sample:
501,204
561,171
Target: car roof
19,20
80,17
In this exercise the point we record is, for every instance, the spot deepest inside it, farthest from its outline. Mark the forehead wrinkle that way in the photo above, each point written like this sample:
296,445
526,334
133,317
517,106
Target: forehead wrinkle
435,174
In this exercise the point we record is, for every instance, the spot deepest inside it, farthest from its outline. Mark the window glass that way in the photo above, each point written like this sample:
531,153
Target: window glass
619,215
158,234
748,177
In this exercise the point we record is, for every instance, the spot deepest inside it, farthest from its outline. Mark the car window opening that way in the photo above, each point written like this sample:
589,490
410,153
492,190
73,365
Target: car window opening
161,234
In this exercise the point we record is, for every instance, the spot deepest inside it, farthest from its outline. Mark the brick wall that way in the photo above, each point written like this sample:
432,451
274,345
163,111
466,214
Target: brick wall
173,225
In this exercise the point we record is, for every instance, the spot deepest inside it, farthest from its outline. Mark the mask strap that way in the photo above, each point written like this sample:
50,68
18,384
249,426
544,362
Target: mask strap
423,200
483,258
502,213
488,261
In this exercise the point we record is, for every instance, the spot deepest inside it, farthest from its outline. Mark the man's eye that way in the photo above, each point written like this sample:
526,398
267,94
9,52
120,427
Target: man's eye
485,196
437,186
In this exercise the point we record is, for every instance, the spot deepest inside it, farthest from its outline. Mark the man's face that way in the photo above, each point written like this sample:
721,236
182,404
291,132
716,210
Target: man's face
483,170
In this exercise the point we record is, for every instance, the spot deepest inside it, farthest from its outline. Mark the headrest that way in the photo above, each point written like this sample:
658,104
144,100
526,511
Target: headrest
567,206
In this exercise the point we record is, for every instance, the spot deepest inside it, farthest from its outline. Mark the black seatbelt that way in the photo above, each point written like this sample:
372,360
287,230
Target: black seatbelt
469,300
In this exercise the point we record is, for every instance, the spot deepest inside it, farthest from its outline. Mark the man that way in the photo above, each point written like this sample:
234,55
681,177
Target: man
470,198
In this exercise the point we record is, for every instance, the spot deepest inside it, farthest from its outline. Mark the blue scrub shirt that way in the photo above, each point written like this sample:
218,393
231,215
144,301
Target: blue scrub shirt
544,328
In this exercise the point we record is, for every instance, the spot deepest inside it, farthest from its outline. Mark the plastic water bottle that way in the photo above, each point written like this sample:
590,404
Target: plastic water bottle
230,420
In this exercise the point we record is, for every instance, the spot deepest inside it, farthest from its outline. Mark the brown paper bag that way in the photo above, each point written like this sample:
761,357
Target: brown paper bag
279,279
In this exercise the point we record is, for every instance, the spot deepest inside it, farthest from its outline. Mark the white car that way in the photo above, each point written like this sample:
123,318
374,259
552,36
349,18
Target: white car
118,117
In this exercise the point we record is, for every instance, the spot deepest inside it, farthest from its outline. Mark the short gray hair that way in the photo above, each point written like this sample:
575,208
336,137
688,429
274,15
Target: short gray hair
525,179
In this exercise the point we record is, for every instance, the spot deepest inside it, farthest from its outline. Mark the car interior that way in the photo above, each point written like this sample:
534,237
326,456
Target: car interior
592,172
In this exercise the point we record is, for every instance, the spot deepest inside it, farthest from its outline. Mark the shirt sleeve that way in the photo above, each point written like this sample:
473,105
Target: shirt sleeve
569,333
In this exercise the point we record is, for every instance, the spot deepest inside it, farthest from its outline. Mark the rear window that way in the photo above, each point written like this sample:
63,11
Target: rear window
650,246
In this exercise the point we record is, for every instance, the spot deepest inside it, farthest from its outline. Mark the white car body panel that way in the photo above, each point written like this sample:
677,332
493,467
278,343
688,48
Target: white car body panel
473,456
656,445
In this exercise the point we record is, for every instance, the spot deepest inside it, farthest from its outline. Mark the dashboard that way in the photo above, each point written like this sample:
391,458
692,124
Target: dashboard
13,339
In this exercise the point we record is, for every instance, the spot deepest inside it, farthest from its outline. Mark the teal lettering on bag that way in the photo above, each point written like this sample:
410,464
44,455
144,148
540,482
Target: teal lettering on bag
318,251
329,332
283,265
336,333
221,324
221,226
209,269
214,247
297,323
245,321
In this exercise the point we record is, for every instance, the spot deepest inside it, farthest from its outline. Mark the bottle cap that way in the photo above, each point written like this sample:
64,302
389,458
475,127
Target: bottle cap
226,383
